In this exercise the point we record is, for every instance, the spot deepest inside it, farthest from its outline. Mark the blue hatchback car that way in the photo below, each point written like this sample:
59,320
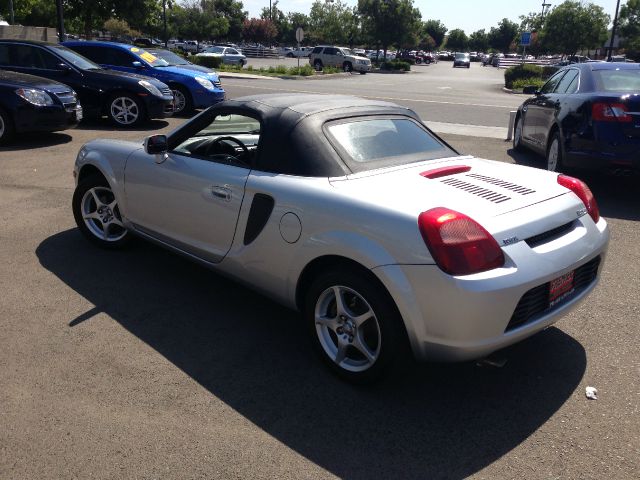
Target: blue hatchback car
191,88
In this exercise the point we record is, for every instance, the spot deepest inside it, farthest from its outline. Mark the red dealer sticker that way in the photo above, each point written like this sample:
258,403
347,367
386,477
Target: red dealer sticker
560,288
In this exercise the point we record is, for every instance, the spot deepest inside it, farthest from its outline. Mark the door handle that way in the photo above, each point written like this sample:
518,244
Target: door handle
221,192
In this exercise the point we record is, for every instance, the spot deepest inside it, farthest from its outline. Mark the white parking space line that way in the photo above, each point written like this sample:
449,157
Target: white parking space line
393,99
468,130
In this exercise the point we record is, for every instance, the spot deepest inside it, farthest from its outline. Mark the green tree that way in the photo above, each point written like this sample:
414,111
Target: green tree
333,23
391,22
88,15
630,28
502,37
479,41
457,40
436,30
39,13
573,26
118,28
427,42
198,21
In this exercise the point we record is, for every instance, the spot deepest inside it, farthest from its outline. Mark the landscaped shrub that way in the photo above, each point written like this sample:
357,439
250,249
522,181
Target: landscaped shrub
281,70
209,62
521,71
395,65
520,83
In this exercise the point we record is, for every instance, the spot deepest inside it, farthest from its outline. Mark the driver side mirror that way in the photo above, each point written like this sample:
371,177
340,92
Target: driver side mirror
64,68
137,64
156,144
530,90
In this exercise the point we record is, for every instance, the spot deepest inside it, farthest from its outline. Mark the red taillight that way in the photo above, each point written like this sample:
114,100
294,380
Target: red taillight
609,112
583,192
459,244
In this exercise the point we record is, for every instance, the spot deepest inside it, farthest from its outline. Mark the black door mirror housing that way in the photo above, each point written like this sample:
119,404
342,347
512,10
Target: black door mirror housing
156,144
64,68
530,90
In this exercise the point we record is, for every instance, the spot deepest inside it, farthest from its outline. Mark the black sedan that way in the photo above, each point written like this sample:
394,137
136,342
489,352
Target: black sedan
127,99
461,60
586,116
34,104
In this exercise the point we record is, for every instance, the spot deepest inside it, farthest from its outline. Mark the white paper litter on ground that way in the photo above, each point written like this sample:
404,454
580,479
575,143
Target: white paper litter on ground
591,393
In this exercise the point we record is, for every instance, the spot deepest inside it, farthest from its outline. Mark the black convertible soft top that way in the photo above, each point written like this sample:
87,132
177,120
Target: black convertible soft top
292,140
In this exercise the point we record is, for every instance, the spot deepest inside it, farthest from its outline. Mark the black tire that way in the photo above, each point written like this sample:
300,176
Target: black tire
362,72
347,67
125,120
517,135
317,65
83,200
290,55
382,331
187,109
554,147
6,127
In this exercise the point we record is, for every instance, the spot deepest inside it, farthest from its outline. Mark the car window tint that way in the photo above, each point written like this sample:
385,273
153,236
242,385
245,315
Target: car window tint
374,139
618,80
98,55
4,55
232,51
47,60
552,83
317,50
569,80
23,56
120,58
329,51
75,58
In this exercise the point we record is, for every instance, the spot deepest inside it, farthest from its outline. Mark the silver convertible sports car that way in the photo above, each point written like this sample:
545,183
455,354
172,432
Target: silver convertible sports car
350,210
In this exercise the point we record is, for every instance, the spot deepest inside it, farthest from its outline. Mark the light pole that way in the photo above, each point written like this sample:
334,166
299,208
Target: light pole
613,30
544,5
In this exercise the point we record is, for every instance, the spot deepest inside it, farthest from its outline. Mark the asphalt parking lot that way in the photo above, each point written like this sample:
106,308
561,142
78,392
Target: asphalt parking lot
140,364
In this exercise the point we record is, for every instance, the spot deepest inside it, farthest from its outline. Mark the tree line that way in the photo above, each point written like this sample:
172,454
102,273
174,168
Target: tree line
569,27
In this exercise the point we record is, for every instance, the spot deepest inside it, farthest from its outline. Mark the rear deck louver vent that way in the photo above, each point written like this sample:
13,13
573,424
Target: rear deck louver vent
485,193
501,183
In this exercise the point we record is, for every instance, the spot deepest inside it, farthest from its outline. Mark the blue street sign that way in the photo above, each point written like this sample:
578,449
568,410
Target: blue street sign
525,39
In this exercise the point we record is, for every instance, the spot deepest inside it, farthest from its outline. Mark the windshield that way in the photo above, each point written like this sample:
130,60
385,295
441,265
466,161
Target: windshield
76,59
169,57
346,51
618,80
396,140
231,125
148,57
461,55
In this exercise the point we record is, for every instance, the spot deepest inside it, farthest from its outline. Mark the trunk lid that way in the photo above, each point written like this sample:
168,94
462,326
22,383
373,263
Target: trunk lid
488,189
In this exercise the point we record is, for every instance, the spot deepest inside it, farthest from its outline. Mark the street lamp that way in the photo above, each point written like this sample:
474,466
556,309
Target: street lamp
545,5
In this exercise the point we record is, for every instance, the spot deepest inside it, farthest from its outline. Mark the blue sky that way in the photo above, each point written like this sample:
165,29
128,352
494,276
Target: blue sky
469,15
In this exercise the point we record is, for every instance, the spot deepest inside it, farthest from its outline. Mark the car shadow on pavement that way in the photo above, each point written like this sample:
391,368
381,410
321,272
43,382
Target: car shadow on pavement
33,140
105,125
617,195
433,420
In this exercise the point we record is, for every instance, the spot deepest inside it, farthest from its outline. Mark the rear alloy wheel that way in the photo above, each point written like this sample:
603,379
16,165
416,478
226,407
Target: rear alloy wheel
317,65
347,67
97,215
181,100
554,154
125,110
517,136
354,324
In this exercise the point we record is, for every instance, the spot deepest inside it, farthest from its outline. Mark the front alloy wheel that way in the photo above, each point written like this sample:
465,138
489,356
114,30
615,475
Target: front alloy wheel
125,110
97,215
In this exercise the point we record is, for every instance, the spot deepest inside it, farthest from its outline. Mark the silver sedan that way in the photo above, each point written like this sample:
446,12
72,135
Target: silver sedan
229,55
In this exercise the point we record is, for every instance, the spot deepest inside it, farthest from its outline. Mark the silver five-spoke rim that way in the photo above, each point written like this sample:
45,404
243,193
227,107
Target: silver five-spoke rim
124,110
552,157
347,328
518,135
178,101
101,214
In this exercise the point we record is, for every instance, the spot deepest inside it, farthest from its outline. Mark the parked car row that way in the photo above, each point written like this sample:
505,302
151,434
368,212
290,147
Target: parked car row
91,79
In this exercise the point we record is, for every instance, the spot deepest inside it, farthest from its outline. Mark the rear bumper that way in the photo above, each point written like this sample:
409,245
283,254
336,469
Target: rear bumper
461,318
625,157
